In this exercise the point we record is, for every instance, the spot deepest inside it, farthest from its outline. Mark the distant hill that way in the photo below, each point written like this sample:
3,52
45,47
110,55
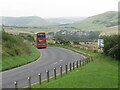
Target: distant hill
106,22
65,20
25,21
102,21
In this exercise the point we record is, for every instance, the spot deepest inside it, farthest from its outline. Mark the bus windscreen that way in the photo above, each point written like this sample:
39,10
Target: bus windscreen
41,35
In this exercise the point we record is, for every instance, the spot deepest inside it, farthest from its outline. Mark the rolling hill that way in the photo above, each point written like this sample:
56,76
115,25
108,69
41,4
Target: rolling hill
25,21
102,21
65,20
106,22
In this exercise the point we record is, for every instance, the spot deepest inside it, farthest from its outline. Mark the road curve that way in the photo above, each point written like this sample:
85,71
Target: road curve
51,57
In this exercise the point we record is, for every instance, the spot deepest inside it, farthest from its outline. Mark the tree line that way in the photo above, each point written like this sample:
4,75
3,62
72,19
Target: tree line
78,36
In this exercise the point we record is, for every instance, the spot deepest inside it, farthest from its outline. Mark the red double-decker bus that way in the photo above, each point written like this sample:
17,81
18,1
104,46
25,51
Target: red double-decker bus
40,39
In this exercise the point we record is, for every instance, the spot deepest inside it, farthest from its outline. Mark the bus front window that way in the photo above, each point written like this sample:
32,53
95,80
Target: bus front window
41,35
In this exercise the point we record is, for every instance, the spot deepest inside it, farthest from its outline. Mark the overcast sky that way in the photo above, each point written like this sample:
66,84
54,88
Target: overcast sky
56,8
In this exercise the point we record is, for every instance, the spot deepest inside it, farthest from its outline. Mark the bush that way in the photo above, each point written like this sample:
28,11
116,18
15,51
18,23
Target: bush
75,42
111,46
64,42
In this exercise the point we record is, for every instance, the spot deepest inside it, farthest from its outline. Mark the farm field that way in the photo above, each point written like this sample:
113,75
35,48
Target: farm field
111,31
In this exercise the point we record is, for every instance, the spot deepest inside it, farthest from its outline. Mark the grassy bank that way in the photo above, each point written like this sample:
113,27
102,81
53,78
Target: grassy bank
101,73
15,61
16,51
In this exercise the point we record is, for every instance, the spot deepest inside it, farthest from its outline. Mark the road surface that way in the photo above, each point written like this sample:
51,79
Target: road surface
51,57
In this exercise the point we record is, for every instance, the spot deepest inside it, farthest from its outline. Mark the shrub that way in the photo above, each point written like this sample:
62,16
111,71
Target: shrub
65,42
111,46
76,43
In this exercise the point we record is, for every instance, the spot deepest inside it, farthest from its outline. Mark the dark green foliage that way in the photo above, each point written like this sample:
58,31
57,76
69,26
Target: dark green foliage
93,35
57,42
75,42
51,33
64,42
111,46
86,36
14,45
28,37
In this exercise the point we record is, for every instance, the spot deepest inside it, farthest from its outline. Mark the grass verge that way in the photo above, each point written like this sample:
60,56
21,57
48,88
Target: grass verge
16,61
101,73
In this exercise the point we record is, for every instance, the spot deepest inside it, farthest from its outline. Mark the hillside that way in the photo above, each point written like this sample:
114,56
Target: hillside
16,51
107,19
65,20
102,21
24,21
14,45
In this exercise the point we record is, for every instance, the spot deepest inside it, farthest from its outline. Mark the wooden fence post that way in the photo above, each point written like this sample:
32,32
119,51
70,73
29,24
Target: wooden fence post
66,68
61,71
47,75
73,66
16,85
29,82
70,67
39,78
77,64
55,73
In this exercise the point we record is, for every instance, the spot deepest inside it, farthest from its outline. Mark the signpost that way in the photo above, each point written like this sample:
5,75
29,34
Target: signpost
100,43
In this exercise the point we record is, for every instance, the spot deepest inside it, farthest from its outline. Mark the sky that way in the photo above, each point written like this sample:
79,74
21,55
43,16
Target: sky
56,8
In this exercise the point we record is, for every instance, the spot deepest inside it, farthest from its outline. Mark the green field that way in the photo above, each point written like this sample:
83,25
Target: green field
31,30
104,30
101,73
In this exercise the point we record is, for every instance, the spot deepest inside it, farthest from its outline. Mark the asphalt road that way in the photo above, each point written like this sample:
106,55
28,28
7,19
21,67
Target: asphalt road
51,57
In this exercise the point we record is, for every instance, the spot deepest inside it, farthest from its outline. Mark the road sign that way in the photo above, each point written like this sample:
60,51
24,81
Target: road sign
100,42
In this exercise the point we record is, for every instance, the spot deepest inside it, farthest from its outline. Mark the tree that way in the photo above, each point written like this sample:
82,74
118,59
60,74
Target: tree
112,46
